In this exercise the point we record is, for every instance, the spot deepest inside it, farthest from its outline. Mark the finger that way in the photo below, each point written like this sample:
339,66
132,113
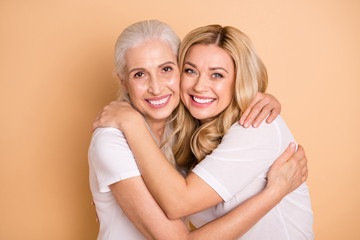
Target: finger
255,111
97,119
275,111
299,154
95,125
286,155
273,115
98,123
249,108
245,115
304,170
263,114
304,178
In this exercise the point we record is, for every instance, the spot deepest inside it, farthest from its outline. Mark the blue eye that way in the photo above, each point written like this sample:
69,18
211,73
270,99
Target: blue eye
189,70
217,75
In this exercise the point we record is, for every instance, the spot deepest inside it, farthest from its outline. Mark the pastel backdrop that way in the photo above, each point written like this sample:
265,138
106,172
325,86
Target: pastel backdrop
56,62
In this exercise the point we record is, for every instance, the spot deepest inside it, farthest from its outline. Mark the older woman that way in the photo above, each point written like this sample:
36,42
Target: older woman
146,64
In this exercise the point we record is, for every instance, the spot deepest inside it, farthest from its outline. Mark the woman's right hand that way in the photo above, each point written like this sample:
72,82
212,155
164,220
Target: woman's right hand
117,114
288,171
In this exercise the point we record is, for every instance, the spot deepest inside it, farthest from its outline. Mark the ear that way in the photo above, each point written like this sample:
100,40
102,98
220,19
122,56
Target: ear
123,84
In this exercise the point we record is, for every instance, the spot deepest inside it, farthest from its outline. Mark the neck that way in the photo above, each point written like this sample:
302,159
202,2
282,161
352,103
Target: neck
157,128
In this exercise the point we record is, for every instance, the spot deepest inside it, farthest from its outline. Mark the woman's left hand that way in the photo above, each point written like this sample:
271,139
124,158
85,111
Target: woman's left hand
288,171
262,105
116,115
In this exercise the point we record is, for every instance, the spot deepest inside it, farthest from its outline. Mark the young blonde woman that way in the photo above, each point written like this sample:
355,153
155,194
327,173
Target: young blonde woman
227,164
125,207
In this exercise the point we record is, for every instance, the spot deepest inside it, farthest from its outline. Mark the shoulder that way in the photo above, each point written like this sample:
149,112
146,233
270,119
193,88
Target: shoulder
110,158
103,137
106,141
101,134
264,141
265,133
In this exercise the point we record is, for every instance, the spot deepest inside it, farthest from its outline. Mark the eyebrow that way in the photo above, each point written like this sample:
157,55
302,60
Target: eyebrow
143,69
136,69
213,68
166,63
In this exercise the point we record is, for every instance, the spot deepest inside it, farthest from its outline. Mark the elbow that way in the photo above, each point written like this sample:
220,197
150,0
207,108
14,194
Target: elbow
175,211
173,215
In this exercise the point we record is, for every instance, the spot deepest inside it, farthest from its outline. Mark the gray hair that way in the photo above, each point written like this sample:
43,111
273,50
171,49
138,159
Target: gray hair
133,36
141,32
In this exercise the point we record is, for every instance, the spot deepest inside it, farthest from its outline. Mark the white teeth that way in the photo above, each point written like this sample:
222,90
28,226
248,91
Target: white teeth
158,102
201,100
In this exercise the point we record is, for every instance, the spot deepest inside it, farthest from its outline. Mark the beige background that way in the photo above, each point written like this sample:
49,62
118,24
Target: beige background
56,74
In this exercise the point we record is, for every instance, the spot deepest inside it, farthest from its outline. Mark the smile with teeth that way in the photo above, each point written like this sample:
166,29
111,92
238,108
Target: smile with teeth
159,101
203,100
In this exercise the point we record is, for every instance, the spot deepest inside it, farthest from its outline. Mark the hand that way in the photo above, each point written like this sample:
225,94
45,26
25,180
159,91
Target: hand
288,171
116,114
259,108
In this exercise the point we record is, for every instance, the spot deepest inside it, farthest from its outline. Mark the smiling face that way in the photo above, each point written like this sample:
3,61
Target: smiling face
152,80
207,81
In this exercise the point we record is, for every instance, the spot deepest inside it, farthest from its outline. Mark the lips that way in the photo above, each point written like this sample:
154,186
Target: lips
158,101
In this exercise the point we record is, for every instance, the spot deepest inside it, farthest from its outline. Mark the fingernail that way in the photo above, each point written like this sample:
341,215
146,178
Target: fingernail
241,122
292,145
246,124
255,124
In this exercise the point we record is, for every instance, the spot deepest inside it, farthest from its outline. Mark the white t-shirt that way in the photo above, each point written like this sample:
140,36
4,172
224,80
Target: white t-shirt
237,170
110,161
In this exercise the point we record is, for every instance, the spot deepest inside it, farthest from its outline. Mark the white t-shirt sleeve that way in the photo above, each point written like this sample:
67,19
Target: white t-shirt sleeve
243,155
111,157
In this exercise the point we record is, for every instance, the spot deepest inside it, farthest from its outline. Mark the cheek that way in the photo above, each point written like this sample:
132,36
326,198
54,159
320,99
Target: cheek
136,90
184,83
173,82
226,91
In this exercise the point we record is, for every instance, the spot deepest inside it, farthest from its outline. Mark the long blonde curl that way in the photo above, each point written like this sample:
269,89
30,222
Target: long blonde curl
194,140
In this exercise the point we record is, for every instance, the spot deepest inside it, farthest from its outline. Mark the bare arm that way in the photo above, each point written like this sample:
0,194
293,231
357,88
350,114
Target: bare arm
141,208
177,196
143,211
242,218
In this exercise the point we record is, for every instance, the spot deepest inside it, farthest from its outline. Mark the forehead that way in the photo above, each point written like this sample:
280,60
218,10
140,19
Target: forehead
209,56
149,53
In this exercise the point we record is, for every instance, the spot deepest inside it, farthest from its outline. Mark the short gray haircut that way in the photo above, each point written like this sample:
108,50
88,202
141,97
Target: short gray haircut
133,36
141,32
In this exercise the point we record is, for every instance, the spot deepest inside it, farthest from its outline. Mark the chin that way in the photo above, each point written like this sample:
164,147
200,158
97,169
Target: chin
201,116
161,116
198,117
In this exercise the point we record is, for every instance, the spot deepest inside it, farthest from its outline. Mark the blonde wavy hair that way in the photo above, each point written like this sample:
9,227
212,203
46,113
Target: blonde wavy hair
250,77
131,37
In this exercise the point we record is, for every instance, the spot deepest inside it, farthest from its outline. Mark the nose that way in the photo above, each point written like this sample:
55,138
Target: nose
156,85
201,84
